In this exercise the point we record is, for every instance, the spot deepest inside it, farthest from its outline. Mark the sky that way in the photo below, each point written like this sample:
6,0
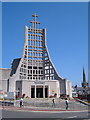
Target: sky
89,45
67,34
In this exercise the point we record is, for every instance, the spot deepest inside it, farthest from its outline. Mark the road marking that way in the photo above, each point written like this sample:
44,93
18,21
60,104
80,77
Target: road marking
72,117
55,111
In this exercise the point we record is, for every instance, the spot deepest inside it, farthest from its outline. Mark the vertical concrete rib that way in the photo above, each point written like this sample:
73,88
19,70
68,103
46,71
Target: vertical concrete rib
36,56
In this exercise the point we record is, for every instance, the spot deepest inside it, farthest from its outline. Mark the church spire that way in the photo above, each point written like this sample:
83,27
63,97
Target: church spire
84,84
84,76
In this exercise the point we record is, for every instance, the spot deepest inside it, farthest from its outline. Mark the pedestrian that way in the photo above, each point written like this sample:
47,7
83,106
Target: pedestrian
21,102
66,101
53,103
2,101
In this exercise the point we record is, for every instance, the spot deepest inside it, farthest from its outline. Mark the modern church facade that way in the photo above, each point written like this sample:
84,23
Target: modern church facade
34,73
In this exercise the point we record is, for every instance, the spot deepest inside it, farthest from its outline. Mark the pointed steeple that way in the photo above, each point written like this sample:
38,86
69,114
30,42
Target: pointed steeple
84,76
84,84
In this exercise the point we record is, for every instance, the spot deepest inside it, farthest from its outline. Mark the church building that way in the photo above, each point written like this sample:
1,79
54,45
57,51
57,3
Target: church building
34,74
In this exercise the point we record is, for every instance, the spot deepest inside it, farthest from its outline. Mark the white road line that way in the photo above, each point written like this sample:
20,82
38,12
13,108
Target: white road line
57,111
72,117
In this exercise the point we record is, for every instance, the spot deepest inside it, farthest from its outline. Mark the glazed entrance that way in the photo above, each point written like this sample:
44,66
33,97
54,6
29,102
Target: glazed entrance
39,91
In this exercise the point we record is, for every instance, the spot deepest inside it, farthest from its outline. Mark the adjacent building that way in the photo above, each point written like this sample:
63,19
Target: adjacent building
4,79
84,83
83,91
34,74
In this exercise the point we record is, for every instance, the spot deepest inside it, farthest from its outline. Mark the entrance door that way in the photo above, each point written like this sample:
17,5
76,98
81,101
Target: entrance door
39,92
46,92
32,92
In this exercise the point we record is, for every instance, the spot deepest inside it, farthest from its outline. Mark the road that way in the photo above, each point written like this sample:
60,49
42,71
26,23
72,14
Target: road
51,114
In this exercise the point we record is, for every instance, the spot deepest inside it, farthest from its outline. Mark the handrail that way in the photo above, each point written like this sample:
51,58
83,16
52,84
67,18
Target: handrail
83,102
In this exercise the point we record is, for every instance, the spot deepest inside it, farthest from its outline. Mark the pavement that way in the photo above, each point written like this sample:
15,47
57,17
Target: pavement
43,107
40,109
